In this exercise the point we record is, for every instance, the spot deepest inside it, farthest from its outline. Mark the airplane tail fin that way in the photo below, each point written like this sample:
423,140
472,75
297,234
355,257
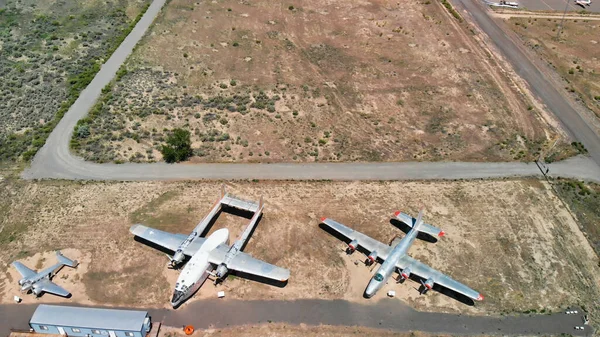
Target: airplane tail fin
65,260
419,221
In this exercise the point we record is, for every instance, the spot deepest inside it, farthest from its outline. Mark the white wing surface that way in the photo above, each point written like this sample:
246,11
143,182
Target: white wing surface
364,241
50,287
426,272
23,270
245,263
167,240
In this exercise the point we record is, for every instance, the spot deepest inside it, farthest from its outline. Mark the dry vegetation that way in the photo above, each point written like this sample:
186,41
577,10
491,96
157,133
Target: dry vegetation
576,57
584,200
312,80
512,240
50,51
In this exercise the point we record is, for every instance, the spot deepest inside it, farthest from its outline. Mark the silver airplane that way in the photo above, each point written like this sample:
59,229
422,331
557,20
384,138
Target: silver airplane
211,255
396,259
41,282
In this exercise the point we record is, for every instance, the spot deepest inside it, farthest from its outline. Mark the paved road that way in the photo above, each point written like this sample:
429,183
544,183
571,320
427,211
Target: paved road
386,314
513,50
55,160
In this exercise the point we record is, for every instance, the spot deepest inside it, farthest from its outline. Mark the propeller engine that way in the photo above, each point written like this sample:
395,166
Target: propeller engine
405,273
352,246
428,284
222,270
177,258
37,291
372,257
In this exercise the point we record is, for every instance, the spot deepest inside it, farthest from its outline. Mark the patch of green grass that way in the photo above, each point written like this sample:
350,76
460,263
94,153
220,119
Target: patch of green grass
152,215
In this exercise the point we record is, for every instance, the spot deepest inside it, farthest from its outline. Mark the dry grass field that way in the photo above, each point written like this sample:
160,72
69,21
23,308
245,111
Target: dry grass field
312,80
576,57
50,51
512,240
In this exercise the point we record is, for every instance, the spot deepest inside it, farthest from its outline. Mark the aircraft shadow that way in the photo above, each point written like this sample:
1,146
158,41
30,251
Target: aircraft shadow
152,245
405,228
259,279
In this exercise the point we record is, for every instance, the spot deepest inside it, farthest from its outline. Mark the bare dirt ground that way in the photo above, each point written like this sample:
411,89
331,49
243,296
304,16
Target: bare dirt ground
576,57
276,330
513,241
334,81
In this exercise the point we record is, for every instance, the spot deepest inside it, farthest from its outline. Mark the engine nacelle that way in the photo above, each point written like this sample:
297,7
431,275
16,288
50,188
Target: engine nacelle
372,257
21,281
353,245
405,273
177,258
37,291
222,270
429,283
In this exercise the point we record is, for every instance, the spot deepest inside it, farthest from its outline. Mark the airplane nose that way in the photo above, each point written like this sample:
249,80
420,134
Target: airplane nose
177,295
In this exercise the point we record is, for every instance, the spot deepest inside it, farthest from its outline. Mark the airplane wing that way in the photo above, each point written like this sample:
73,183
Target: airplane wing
167,240
245,263
426,272
23,270
50,287
364,241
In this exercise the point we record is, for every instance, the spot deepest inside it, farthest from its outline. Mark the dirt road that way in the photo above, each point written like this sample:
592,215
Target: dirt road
386,314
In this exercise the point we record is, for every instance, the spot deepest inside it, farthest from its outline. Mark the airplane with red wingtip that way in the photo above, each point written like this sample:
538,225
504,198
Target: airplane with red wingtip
395,256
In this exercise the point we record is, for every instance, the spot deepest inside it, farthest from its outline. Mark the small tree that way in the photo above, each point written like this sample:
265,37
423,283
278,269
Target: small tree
178,147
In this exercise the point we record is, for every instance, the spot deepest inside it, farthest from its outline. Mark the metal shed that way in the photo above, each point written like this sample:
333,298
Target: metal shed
90,322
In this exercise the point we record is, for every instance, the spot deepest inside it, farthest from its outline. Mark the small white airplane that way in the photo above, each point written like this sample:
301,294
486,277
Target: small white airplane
395,256
583,3
211,255
41,282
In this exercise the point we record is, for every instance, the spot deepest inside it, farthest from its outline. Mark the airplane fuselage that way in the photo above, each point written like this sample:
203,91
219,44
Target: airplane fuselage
389,265
28,284
198,268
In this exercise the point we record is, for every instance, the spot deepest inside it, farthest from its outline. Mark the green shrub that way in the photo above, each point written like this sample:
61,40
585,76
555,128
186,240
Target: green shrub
178,147
83,131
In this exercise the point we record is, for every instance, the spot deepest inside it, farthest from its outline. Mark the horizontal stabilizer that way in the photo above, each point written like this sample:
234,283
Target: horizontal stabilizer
425,228
65,260
245,205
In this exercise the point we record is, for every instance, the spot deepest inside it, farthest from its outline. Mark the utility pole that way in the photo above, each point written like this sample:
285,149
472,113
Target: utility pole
562,21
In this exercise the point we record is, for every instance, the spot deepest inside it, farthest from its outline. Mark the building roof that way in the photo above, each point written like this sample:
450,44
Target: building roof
93,318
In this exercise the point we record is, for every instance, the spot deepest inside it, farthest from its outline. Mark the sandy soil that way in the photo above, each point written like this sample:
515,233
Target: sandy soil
512,240
345,80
